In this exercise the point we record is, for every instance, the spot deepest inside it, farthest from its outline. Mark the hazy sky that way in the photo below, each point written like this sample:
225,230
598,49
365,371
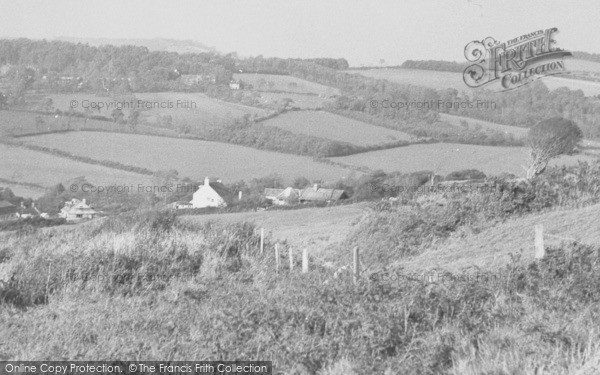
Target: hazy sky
361,31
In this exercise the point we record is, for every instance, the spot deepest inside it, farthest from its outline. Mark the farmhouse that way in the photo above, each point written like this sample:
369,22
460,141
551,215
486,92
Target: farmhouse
28,212
315,193
212,194
75,210
7,210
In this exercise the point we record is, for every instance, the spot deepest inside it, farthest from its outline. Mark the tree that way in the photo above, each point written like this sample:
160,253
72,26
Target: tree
3,101
117,115
548,139
133,119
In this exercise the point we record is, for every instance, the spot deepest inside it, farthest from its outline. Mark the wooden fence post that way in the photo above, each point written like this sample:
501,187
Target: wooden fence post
291,252
305,260
277,260
356,263
540,251
262,240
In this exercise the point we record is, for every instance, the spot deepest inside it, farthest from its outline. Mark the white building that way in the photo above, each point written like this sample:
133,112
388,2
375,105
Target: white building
211,194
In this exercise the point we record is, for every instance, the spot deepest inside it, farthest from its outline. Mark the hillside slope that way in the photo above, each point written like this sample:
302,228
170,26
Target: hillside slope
490,248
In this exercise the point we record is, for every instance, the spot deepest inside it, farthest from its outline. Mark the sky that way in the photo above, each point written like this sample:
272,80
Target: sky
363,32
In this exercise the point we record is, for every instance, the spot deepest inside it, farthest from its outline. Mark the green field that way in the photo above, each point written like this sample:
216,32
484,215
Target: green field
191,158
273,99
194,109
427,78
272,82
518,132
443,158
22,165
589,88
338,128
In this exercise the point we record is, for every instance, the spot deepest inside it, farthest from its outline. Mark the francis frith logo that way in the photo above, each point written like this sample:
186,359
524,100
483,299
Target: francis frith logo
516,62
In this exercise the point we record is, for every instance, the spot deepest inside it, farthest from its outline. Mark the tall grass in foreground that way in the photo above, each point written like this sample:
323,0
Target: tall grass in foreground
538,319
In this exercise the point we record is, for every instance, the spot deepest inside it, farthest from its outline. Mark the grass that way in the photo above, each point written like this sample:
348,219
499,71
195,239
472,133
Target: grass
428,78
207,112
22,165
282,83
191,158
518,132
312,228
588,88
302,101
444,158
147,287
330,126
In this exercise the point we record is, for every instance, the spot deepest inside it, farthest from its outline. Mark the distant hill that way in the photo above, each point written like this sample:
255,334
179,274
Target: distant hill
156,44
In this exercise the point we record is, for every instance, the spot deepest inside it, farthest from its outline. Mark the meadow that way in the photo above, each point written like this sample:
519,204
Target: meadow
428,78
443,158
274,99
205,112
338,128
518,132
191,158
284,83
22,165
588,88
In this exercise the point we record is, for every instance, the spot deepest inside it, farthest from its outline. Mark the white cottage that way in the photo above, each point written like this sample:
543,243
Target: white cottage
211,194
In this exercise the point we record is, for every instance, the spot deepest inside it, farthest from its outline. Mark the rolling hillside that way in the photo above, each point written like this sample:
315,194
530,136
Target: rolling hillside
444,158
284,83
490,249
191,158
330,126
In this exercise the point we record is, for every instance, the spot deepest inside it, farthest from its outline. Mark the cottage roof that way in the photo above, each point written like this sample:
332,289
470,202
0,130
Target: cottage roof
7,208
223,192
322,194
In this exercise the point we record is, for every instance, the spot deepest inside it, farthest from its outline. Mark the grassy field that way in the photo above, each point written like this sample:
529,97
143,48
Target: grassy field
588,88
518,132
490,248
445,158
22,165
272,82
191,158
338,128
311,228
427,78
273,99
205,111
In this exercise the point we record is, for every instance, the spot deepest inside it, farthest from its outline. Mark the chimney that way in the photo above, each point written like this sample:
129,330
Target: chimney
206,181
83,201
240,195
316,187
22,204
33,205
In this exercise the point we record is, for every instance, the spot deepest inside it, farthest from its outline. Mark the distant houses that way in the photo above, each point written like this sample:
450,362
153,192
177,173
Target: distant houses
77,210
7,210
28,212
314,194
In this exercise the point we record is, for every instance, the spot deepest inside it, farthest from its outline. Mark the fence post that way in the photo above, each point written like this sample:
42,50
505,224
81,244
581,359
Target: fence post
262,240
356,263
291,252
277,260
540,251
305,260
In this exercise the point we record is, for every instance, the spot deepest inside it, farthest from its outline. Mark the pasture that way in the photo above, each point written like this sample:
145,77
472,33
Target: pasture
283,83
444,158
23,165
193,109
338,128
191,158
302,101
427,78
518,132
589,88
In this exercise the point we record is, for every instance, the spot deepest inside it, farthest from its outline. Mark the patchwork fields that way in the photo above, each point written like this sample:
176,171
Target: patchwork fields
191,158
22,165
444,158
338,128
283,83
